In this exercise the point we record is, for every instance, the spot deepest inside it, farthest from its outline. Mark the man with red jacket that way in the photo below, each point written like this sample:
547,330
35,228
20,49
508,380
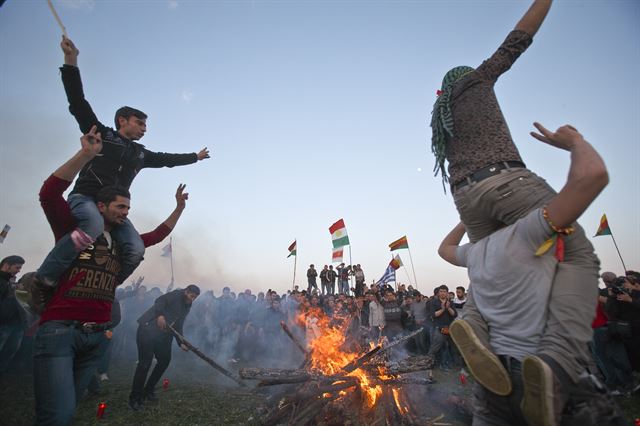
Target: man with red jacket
71,337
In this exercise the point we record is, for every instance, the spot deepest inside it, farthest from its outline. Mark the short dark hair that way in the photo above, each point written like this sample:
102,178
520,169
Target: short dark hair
443,287
109,193
460,288
127,112
192,288
12,260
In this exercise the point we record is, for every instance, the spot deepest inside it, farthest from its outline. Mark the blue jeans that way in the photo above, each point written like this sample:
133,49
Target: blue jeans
90,221
343,287
65,358
10,339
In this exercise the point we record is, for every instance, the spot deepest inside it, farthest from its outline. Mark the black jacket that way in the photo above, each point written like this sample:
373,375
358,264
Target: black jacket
172,306
11,312
121,159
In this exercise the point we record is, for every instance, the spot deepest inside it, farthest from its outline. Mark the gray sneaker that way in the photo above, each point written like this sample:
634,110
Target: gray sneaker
483,364
541,391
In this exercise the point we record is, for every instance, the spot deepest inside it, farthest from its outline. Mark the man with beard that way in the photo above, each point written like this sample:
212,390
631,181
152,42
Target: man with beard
154,340
71,338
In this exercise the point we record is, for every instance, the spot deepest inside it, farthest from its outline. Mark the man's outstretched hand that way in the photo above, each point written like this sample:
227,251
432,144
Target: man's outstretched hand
203,154
70,51
566,137
91,143
181,196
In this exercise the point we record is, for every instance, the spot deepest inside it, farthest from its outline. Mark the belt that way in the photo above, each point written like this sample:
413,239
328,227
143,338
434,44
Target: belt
482,174
86,327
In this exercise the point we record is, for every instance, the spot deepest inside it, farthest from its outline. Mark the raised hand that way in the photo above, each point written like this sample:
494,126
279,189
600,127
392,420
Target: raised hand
91,143
70,51
181,196
203,154
566,137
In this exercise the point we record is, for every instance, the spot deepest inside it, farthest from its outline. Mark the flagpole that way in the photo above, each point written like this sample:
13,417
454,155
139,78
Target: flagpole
414,270
619,255
295,262
350,263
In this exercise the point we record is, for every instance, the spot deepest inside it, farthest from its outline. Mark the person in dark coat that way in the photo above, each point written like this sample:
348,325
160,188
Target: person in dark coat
154,340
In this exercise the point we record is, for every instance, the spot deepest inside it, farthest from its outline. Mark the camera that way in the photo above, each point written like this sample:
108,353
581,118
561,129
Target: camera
617,286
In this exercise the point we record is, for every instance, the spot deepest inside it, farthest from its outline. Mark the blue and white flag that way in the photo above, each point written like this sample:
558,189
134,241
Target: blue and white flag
389,275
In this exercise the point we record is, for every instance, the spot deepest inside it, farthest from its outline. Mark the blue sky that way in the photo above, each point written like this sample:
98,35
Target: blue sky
314,111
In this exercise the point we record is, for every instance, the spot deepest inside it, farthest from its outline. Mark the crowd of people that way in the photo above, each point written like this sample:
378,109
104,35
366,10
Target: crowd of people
543,366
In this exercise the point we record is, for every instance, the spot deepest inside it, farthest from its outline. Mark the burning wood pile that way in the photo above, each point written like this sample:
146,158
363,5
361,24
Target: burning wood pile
336,385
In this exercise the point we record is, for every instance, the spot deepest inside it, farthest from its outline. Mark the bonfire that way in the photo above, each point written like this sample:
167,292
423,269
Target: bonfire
339,381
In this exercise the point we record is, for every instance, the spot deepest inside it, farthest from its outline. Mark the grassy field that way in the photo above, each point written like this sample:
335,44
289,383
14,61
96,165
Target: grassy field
198,395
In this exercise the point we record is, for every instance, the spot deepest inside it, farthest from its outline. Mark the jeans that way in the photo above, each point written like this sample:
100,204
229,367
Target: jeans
503,199
491,409
343,287
90,221
151,342
440,348
10,339
65,359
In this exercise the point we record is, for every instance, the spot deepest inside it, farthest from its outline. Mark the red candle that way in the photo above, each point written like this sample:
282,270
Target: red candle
101,407
463,379
165,384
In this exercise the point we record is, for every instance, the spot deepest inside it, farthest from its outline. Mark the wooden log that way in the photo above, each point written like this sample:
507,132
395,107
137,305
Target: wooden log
205,358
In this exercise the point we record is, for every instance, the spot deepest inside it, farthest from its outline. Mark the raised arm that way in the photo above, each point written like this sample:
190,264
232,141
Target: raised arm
91,145
532,20
79,107
447,249
165,228
587,175
181,203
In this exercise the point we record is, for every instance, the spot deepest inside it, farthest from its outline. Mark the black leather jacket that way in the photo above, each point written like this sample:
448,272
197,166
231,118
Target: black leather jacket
121,159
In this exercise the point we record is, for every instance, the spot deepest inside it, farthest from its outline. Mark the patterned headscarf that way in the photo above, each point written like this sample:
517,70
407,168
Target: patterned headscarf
442,120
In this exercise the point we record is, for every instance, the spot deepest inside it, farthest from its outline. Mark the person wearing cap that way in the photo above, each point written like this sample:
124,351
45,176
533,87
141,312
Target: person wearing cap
154,340
76,313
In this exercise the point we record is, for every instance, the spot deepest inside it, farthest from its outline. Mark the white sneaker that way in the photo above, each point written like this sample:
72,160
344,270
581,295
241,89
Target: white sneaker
104,377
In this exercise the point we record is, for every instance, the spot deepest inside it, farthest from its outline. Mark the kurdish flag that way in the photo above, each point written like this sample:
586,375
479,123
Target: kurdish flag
337,254
293,248
396,262
339,235
402,243
603,229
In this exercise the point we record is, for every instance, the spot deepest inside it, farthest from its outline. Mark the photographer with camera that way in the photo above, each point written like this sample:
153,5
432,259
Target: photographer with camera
623,331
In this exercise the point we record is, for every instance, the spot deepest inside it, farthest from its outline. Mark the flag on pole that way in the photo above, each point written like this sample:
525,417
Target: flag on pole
389,275
337,255
166,250
339,235
603,229
4,233
293,248
396,262
402,243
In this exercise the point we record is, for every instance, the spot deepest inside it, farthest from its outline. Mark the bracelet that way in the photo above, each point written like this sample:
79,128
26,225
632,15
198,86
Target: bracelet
568,230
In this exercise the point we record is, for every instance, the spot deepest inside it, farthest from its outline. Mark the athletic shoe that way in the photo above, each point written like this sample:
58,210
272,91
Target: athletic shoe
483,365
104,377
151,397
135,404
540,392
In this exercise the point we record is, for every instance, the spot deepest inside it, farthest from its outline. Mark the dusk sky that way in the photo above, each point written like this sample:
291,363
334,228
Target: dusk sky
313,111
